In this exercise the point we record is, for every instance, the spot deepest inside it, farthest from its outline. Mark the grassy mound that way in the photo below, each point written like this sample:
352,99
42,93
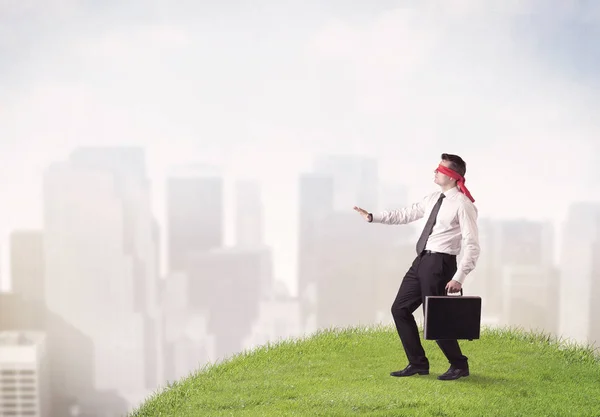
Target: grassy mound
346,372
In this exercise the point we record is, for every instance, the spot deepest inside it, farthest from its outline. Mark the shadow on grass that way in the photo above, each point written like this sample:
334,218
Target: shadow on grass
475,379
483,380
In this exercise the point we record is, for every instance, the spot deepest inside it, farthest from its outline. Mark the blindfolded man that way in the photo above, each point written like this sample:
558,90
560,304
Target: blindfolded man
451,224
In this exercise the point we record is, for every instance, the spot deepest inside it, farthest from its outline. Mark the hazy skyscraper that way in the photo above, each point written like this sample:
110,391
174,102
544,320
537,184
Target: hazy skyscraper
249,214
226,284
195,210
580,235
524,242
69,352
24,382
187,342
511,249
316,205
529,296
140,233
127,167
100,261
278,317
27,264
347,254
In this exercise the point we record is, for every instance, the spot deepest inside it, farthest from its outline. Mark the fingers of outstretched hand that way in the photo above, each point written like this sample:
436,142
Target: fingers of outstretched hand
364,213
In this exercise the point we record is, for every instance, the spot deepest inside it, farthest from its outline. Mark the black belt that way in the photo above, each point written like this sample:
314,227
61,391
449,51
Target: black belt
432,251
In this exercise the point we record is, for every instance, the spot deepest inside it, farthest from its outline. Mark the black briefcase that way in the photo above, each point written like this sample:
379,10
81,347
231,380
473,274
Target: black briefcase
452,317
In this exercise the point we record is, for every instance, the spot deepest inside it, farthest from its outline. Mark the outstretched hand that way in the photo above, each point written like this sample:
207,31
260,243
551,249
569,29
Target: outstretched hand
362,212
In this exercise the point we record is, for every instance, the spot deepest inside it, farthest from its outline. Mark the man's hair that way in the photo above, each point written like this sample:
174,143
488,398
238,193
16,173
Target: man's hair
456,163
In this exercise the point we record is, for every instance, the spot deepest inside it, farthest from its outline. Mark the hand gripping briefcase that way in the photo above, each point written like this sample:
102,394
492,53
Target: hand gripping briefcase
452,317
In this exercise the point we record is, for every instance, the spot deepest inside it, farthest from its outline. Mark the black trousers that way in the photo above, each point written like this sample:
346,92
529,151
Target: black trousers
428,275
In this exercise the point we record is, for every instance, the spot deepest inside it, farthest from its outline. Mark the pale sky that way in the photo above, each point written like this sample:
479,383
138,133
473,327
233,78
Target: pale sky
512,86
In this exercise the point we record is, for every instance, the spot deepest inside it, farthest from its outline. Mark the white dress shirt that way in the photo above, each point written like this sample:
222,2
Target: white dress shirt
455,227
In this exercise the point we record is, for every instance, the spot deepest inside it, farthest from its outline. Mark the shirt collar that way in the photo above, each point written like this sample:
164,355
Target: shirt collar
451,192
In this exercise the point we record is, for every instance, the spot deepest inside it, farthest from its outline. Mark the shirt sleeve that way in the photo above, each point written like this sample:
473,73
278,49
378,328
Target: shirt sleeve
467,218
404,215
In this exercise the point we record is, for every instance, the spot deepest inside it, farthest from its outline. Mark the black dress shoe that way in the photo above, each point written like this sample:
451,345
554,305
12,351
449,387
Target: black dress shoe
411,370
454,373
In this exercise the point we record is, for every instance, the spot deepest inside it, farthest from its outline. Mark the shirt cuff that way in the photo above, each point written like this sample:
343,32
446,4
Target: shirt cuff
459,276
376,217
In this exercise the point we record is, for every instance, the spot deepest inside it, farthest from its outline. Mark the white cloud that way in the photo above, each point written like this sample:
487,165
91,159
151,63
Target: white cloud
467,71
127,45
413,82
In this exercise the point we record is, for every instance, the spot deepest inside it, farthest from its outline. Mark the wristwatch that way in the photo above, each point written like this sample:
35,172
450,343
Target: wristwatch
370,217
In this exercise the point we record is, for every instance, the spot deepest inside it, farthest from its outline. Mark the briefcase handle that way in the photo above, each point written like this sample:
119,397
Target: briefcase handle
461,292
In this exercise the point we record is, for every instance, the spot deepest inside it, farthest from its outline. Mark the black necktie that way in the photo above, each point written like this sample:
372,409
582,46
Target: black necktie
429,225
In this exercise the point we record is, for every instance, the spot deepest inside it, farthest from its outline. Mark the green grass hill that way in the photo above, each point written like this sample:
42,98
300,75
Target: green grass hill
346,372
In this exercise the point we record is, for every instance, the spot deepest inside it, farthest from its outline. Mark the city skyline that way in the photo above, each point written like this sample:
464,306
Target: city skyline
277,196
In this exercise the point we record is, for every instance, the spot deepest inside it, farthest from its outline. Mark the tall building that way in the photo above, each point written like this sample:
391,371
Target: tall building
27,264
69,356
524,242
316,205
24,382
580,234
18,313
187,342
278,318
249,214
100,262
355,264
195,216
509,249
126,168
530,297
226,285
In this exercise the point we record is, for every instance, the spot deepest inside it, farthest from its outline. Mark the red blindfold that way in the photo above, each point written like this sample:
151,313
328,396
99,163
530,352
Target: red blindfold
460,180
